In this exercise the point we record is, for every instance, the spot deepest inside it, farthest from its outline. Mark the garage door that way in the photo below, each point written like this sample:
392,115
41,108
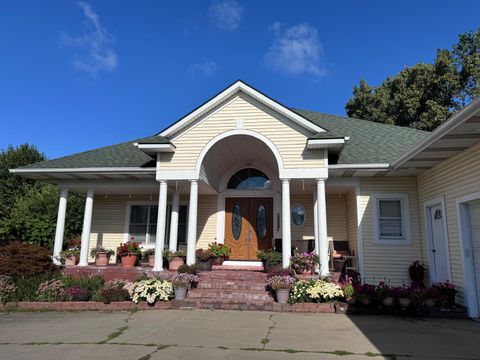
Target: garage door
474,220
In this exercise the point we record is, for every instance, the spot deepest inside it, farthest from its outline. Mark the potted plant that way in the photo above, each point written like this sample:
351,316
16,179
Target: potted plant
417,272
432,296
190,279
180,288
403,296
384,294
150,255
129,253
204,257
220,252
269,259
365,293
446,294
349,293
70,257
281,284
304,262
101,255
176,259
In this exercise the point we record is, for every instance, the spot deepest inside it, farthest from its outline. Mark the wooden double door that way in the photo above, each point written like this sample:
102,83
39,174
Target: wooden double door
248,226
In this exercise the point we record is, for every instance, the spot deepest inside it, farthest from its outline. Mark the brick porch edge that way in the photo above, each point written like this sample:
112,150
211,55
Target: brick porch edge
165,305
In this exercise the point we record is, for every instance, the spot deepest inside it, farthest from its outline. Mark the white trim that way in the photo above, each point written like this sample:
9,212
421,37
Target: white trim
155,148
84,170
229,133
449,125
86,229
177,175
466,252
231,90
359,166
406,238
427,205
304,173
361,257
314,144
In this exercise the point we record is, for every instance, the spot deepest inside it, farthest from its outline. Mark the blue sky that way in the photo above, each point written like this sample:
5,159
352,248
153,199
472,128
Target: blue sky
80,75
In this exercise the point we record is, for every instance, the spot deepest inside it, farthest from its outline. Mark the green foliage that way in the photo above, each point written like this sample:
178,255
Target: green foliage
269,258
91,283
28,285
18,258
28,208
424,95
188,269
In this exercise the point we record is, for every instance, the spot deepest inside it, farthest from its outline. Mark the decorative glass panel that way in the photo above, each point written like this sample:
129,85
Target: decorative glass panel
438,214
249,179
261,222
298,215
236,222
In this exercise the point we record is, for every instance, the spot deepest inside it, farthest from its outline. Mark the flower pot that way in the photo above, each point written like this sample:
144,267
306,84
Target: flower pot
388,301
365,301
430,303
180,293
176,262
404,302
218,260
282,295
205,265
129,260
101,259
71,260
151,260
417,276
351,300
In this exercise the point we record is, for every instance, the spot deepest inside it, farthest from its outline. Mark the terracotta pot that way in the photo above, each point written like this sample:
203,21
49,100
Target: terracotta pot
71,260
151,260
404,302
129,260
218,260
388,301
101,259
180,293
204,265
176,262
282,295
351,300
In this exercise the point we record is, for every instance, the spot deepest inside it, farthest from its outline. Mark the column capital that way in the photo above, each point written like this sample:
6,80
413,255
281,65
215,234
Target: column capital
285,180
193,180
320,179
162,182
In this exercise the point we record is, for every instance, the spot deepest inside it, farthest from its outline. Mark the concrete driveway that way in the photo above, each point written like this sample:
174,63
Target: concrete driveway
205,334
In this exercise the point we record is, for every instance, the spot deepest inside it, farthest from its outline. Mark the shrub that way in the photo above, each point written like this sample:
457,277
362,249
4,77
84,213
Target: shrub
188,269
152,290
269,258
114,290
129,248
90,283
188,278
17,258
101,249
348,291
50,290
298,292
28,285
8,290
75,293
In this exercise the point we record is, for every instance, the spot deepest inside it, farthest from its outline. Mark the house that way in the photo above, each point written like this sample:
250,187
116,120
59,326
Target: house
248,171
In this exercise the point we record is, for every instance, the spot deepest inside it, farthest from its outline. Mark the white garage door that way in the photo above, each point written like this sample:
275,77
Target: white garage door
474,214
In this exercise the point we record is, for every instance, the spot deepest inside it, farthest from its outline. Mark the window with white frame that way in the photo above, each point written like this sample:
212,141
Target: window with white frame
391,225
143,223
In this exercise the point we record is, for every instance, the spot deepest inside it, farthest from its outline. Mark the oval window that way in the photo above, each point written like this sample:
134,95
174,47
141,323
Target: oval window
236,222
298,215
261,222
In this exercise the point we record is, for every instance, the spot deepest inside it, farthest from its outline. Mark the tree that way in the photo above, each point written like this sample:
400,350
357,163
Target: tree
29,207
424,95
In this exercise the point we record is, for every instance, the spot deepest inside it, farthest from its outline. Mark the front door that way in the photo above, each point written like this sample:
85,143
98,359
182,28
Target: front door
438,245
248,226
474,222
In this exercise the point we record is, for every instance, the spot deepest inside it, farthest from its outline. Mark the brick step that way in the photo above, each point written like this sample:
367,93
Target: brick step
233,275
231,285
236,295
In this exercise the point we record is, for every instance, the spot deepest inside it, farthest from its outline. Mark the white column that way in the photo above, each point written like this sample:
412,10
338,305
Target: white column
62,209
87,224
161,222
192,222
315,219
286,233
172,242
322,228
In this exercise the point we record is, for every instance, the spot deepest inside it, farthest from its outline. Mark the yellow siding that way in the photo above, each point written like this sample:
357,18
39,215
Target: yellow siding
306,231
289,142
352,227
207,220
388,261
336,217
453,178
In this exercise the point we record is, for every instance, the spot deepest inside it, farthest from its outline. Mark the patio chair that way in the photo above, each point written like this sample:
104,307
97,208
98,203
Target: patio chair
342,258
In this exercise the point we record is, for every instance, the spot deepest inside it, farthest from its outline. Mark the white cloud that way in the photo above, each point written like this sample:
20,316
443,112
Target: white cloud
206,67
296,50
93,48
226,14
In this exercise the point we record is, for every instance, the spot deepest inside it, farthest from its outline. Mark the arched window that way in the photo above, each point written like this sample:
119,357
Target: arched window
249,179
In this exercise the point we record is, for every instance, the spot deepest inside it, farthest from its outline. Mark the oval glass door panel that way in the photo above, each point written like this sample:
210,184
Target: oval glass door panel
261,222
236,222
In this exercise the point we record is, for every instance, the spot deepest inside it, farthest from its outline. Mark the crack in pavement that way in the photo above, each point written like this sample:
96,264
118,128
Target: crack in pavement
266,339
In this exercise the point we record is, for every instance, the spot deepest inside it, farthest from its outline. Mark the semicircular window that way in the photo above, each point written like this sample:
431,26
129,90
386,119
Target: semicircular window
249,179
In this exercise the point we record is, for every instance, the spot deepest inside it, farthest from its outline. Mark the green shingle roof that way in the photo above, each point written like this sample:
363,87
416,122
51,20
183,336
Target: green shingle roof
369,142
120,155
